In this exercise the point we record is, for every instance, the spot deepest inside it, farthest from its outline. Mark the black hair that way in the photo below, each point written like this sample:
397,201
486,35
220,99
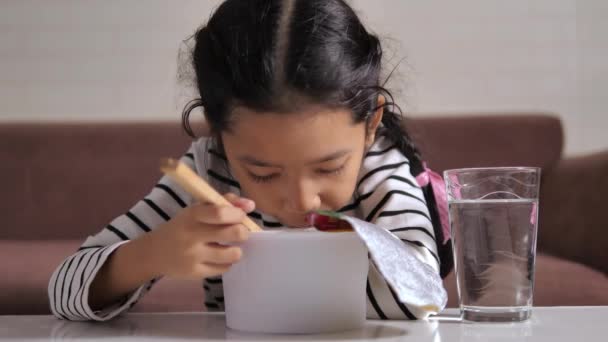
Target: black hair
280,55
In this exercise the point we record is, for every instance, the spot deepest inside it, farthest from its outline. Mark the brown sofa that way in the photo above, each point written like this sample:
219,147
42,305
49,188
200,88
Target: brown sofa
63,182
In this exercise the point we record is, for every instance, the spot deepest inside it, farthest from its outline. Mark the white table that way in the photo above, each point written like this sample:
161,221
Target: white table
546,324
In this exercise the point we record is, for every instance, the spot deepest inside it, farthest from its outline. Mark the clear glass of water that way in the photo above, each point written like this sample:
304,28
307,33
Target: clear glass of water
494,219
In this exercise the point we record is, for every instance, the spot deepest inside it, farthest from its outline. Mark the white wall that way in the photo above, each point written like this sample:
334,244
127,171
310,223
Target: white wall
115,60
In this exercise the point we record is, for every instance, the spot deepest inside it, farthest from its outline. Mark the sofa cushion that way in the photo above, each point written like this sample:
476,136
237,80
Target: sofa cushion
76,177
458,141
68,181
27,267
558,282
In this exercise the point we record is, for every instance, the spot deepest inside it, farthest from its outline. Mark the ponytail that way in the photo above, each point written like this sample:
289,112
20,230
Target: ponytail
394,129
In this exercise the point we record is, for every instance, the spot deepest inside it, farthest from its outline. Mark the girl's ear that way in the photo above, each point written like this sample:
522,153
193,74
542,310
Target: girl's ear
205,128
374,122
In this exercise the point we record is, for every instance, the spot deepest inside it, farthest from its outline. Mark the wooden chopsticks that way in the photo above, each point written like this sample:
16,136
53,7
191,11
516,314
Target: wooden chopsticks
198,188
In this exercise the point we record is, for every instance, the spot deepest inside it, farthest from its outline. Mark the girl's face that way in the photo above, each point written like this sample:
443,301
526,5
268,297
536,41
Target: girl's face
292,164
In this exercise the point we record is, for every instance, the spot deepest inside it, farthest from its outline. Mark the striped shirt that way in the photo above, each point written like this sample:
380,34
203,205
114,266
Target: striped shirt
386,194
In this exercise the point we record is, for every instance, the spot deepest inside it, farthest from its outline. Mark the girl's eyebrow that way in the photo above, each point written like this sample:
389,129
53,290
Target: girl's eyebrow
330,157
252,161
333,156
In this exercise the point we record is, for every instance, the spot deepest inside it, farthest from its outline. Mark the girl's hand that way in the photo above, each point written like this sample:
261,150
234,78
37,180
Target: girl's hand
201,241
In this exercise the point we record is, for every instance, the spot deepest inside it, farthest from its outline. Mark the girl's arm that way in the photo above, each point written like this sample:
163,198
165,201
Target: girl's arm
79,290
123,272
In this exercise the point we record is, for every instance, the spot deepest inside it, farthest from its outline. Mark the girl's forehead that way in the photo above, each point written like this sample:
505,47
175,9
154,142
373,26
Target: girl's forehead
301,135
317,118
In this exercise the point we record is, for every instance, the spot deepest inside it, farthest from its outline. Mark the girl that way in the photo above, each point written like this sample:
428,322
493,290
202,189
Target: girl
299,122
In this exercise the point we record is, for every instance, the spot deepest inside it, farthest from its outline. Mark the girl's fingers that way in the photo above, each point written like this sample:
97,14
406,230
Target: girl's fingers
245,204
226,235
221,255
205,270
217,215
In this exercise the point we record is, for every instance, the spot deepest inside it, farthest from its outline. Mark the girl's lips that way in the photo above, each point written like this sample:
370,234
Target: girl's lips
303,220
307,221
310,218
314,217
299,221
320,221
328,222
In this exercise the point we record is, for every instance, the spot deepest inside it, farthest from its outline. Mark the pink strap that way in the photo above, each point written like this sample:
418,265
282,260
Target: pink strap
441,198
534,214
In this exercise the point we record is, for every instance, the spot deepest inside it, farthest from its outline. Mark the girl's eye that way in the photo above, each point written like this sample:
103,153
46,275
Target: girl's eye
331,171
262,179
272,176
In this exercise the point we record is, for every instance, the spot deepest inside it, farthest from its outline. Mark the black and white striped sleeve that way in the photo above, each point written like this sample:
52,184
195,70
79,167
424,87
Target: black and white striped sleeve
392,199
69,285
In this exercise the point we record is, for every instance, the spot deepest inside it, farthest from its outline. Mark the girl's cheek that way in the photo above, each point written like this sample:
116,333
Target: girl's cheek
338,196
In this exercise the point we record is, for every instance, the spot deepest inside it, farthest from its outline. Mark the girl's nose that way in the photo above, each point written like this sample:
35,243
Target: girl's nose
303,197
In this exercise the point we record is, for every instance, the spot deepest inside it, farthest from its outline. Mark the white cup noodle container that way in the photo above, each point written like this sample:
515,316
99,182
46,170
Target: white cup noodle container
298,282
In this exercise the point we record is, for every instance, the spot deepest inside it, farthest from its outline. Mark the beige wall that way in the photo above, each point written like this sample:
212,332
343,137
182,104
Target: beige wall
115,60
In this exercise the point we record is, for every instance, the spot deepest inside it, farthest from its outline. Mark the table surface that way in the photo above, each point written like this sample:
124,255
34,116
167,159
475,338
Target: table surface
547,324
